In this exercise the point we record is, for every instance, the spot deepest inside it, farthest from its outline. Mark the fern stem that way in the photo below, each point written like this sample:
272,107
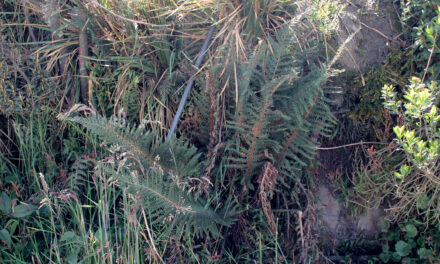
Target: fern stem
281,154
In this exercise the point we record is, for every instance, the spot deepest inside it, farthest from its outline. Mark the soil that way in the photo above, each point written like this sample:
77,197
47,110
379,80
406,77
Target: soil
380,29
379,33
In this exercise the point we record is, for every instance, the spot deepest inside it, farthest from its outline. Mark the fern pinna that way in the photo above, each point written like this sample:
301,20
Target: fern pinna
155,172
281,111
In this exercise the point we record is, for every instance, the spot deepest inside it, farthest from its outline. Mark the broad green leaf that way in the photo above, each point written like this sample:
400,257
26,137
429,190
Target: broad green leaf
411,230
4,236
385,257
405,170
422,202
72,259
399,131
424,253
5,204
69,235
398,175
23,210
395,257
403,248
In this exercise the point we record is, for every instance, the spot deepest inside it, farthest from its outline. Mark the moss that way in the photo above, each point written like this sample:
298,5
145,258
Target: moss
363,90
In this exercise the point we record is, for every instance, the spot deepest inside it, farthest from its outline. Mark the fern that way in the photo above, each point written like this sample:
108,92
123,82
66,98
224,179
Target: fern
79,174
154,171
281,110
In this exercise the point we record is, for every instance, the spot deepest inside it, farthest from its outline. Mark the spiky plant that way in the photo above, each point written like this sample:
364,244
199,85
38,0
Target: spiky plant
158,173
280,109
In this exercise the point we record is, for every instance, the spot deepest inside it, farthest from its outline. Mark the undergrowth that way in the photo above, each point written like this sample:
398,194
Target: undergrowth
88,92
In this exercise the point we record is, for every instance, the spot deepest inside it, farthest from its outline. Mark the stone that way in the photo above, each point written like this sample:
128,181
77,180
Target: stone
378,34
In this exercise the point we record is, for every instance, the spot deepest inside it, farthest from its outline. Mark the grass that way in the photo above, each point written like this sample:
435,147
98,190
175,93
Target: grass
136,63
62,200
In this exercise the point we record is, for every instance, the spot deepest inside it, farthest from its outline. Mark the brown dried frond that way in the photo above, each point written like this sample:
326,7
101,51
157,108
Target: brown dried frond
215,124
267,181
175,254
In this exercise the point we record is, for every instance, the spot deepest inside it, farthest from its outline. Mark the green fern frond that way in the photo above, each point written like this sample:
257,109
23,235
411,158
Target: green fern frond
78,177
143,144
281,109
171,206
154,171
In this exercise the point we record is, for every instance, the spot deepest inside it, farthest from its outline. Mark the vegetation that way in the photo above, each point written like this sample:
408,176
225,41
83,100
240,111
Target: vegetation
411,243
88,93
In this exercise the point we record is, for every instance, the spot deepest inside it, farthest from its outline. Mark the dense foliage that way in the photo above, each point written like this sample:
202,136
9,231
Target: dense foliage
88,92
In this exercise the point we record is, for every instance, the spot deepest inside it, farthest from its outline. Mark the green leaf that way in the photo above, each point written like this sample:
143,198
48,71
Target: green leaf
429,32
12,224
422,202
411,242
384,227
433,111
403,248
410,136
5,237
72,259
5,204
385,257
411,230
395,257
23,210
424,253
405,170
399,131
69,235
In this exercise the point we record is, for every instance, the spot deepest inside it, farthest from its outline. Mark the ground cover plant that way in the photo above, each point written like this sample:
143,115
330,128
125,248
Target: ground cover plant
89,90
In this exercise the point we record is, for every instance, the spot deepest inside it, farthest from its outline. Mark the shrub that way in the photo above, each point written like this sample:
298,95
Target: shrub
416,183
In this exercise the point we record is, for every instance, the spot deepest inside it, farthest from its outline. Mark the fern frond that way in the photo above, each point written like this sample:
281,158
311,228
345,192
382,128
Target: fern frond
158,174
142,143
281,109
171,206
78,177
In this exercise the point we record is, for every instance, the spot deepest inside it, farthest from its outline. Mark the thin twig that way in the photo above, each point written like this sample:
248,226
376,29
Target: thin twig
151,238
430,56
354,144
379,32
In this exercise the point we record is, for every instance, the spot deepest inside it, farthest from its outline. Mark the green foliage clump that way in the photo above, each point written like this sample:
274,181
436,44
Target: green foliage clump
280,106
418,137
326,15
410,242
363,92
156,172
116,193
422,17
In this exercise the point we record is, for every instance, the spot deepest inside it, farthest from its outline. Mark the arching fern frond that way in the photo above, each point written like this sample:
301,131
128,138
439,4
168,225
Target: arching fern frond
155,171
281,110
176,157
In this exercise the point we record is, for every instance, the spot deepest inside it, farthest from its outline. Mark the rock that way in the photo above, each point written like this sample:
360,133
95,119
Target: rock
329,209
337,222
379,32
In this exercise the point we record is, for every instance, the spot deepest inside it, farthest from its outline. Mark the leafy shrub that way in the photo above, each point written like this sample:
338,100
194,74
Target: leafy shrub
417,182
422,17
411,242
